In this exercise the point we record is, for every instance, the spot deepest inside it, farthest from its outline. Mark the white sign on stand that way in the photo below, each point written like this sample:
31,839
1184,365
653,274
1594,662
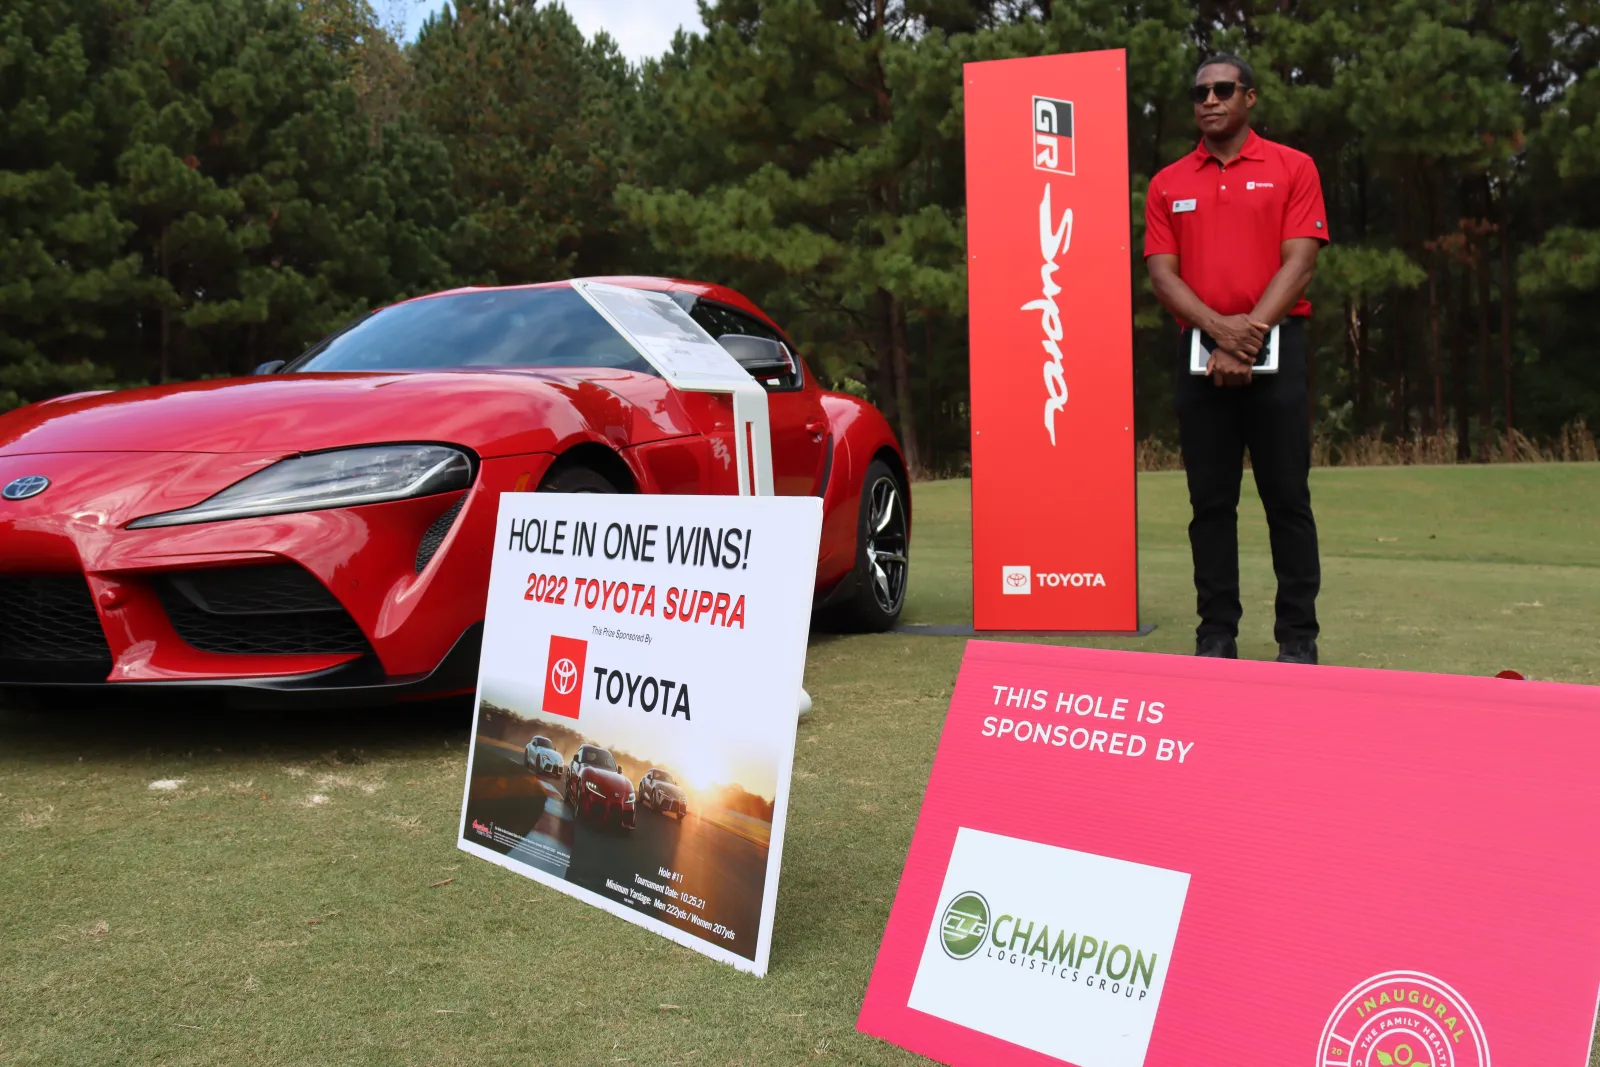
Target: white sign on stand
690,359
635,726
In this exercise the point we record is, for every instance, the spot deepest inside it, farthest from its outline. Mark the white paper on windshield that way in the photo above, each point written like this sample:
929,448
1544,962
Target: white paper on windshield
685,354
689,358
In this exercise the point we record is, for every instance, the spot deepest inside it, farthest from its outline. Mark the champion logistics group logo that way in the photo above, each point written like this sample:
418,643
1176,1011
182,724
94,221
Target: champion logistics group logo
1059,951
563,678
966,920
965,929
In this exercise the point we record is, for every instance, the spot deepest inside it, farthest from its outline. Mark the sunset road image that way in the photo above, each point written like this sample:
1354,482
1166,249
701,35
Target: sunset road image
716,864
517,813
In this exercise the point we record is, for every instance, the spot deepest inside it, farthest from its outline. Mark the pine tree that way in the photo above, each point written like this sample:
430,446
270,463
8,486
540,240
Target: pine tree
266,211
538,125
66,273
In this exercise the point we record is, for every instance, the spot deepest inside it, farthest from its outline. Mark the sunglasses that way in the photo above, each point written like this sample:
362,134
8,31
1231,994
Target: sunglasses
1224,91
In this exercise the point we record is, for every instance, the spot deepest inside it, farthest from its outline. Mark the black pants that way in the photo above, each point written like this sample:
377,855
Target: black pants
1216,425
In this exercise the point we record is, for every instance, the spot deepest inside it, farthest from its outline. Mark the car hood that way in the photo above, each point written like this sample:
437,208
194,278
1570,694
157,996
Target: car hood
495,413
610,781
547,753
669,789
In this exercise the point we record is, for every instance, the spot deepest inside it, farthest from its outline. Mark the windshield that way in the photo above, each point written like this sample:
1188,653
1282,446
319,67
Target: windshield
663,776
599,757
495,328
541,742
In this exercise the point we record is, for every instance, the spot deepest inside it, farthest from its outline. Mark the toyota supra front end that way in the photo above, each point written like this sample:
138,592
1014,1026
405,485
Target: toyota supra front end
320,532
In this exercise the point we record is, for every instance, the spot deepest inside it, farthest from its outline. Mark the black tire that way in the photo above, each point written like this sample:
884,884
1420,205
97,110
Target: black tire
883,547
574,478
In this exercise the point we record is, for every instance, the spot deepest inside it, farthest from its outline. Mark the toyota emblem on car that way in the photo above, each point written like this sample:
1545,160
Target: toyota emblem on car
23,488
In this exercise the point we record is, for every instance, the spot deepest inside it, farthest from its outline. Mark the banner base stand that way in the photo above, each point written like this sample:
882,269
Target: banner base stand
967,630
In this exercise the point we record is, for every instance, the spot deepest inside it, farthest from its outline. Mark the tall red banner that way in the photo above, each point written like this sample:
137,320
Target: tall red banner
1054,540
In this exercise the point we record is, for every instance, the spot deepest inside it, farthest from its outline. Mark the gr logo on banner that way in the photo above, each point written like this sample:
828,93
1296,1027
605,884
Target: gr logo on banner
1052,136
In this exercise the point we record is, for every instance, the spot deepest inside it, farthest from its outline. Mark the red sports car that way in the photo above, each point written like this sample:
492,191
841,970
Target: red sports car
598,790
320,532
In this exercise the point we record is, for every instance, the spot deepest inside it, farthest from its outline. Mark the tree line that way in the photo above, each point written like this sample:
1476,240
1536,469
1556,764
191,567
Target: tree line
191,187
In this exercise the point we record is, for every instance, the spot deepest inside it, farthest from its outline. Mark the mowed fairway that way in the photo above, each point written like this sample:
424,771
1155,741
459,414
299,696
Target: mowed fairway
296,898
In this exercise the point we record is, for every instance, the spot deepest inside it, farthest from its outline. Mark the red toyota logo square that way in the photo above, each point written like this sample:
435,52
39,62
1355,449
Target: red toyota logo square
563,676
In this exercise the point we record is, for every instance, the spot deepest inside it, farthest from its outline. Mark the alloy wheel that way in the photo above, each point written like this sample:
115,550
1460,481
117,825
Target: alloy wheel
886,544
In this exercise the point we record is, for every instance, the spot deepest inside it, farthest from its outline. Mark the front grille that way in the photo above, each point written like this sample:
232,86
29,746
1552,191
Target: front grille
274,610
49,627
436,534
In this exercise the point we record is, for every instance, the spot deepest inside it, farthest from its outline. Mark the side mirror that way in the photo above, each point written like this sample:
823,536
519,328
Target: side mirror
271,366
761,357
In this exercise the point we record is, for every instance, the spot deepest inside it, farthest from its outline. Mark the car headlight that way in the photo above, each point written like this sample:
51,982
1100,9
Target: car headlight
341,479
591,787
629,800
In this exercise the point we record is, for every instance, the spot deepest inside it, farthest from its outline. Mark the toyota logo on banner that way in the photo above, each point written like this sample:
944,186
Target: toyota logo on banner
564,675
1018,581
563,680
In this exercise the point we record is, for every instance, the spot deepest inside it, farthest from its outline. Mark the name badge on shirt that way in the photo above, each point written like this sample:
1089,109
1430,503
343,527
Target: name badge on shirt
1180,206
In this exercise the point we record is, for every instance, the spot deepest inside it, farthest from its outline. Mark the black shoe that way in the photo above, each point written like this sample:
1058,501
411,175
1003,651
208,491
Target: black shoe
1301,650
1216,646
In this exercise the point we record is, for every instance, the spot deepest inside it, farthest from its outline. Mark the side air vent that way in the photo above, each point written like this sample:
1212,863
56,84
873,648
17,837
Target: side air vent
279,609
436,535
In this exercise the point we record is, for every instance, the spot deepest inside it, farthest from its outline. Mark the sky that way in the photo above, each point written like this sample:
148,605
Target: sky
642,28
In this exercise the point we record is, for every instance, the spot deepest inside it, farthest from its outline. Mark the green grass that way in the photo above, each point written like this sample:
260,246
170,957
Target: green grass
236,921
1461,570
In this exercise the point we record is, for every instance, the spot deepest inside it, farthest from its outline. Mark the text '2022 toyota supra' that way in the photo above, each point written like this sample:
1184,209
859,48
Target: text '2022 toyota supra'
320,532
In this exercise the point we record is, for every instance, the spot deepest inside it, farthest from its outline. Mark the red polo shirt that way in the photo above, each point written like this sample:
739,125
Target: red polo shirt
1226,223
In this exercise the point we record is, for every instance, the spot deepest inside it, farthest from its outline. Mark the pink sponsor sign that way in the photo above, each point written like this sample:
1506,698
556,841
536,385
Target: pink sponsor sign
1128,859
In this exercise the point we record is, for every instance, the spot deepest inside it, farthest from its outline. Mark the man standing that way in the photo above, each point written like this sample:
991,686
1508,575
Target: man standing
1232,232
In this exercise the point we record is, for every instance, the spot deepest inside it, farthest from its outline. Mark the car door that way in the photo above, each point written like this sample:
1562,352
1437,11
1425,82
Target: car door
794,405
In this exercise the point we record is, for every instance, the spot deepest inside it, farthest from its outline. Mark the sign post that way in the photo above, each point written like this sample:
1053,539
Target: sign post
1054,538
1171,861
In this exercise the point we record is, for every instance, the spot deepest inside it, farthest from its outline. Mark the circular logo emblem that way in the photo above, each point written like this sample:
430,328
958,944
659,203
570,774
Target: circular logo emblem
1016,579
1403,1019
966,920
23,488
564,675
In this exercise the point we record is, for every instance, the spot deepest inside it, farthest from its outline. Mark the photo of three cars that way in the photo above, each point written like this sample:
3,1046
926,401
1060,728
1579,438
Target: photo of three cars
596,788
